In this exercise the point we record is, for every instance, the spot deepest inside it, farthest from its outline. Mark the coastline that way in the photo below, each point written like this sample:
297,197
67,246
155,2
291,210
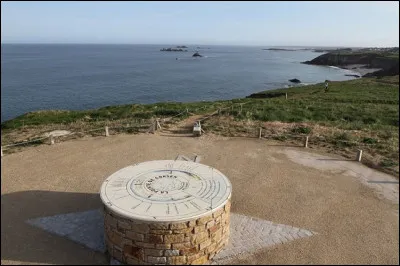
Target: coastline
360,69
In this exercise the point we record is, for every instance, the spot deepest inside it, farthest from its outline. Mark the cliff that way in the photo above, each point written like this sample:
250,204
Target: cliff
387,62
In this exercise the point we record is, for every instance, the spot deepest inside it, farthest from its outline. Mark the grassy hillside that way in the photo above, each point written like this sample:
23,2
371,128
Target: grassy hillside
364,111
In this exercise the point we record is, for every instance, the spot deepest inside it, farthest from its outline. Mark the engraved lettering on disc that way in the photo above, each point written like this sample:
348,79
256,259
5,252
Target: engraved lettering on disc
166,190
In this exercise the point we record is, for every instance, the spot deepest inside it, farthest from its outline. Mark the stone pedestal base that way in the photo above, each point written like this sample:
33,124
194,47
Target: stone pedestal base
191,242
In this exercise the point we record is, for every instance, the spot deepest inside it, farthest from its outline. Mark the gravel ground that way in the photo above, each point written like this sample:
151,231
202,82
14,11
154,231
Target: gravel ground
355,224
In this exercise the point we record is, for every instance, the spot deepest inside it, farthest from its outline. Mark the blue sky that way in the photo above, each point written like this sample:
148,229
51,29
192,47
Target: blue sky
220,23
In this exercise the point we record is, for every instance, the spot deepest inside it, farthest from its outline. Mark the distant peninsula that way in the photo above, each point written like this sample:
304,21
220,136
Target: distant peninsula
279,49
382,61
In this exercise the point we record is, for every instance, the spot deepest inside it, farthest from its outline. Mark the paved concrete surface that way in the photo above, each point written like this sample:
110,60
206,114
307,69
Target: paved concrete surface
248,234
355,224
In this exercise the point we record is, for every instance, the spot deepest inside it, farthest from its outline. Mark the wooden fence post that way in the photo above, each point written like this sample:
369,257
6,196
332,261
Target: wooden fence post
51,140
359,155
286,96
106,129
259,134
306,142
158,124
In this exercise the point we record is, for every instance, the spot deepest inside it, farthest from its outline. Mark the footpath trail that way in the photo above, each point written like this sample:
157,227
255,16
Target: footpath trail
183,128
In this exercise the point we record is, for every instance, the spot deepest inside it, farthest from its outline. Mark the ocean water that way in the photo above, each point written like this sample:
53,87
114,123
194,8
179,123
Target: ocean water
76,77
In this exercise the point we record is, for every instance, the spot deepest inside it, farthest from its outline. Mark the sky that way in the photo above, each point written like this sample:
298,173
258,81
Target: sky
352,24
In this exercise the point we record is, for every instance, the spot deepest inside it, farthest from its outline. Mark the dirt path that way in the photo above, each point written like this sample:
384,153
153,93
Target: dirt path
355,222
184,127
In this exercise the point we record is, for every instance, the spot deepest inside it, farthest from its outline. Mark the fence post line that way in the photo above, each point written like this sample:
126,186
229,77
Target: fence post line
286,96
359,155
306,142
259,134
1,151
51,140
106,129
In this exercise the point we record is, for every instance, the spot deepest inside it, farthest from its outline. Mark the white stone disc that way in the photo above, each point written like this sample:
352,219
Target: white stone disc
165,191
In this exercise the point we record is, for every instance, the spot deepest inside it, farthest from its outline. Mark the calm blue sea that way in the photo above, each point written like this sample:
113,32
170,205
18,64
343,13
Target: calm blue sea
75,77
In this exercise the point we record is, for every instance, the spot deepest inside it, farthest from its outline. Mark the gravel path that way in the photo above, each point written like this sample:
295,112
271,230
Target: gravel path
356,224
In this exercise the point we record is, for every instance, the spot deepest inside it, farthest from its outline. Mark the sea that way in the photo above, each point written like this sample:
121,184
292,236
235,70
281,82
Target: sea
86,76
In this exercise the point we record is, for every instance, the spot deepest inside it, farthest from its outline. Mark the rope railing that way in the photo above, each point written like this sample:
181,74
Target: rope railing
65,135
24,142
155,124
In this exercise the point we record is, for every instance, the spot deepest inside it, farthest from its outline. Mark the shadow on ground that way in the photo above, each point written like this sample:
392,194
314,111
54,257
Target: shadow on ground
24,243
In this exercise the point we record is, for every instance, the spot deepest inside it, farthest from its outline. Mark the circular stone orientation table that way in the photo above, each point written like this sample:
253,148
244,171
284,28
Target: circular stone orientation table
166,212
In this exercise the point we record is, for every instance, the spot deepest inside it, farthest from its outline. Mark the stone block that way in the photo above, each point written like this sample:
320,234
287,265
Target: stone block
154,252
204,220
180,246
219,212
191,223
227,206
210,224
171,252
182,231
178,226
124,225
116,238
200,237
177,260
145,245
133,261
200,261
214,229
163,246
134,252
117,254
211,248
190,251
159,226
193,257
174,238
160,232
134,236
111,221
205,244
156,260
154,239
141,228
200,228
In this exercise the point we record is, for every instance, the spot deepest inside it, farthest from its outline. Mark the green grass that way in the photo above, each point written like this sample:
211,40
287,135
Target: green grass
365,103
368,105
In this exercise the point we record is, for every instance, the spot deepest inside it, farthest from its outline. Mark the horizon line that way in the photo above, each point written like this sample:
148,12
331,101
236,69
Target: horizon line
245,45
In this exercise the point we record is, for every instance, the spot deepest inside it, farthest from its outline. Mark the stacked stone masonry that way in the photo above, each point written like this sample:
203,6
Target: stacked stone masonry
192,242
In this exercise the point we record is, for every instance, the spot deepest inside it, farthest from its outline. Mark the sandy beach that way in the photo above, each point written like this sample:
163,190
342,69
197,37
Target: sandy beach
361,69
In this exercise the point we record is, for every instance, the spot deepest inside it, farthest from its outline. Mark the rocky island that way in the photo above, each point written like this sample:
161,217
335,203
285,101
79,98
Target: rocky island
176,49
196,54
